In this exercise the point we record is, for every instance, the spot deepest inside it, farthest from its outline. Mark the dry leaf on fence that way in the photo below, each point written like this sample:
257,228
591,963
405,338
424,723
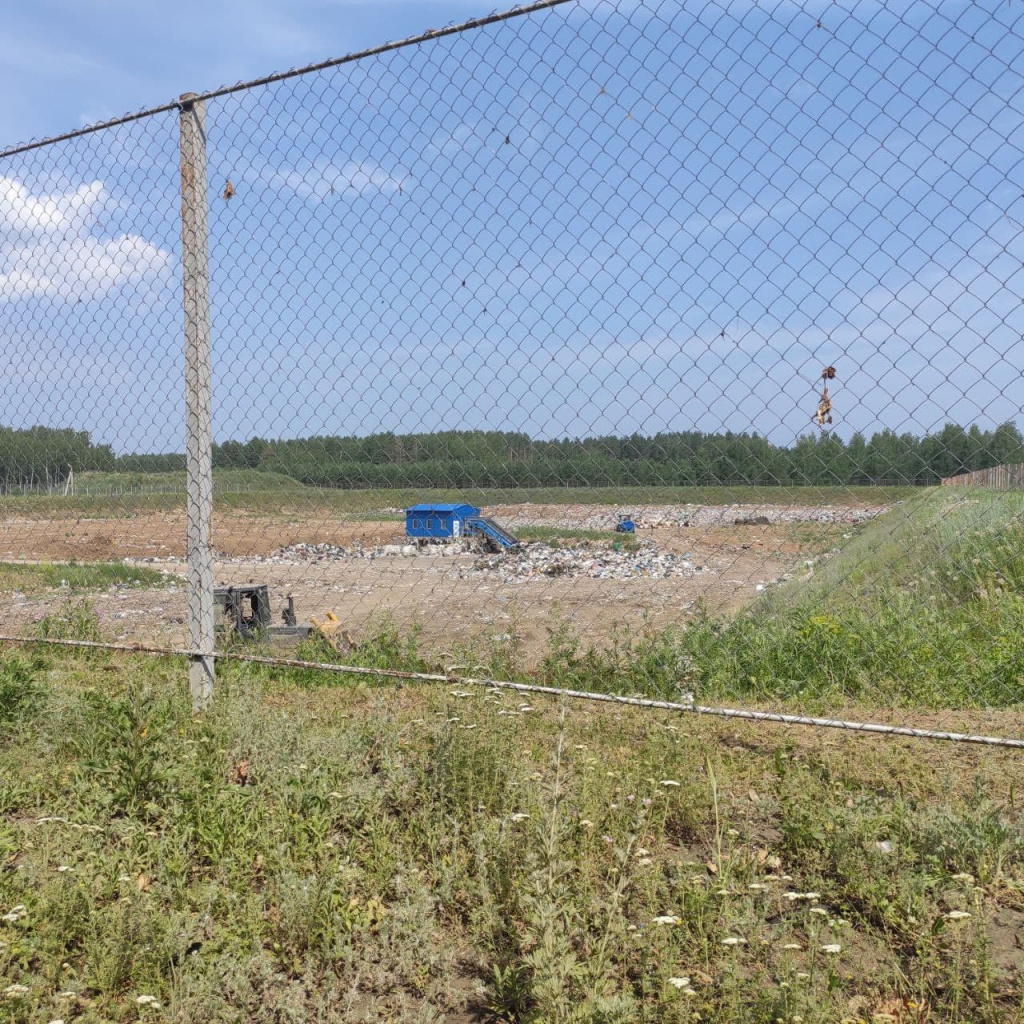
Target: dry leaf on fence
229,189
824,413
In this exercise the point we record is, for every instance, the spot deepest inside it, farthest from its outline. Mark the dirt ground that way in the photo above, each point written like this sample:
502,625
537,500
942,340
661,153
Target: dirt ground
442,592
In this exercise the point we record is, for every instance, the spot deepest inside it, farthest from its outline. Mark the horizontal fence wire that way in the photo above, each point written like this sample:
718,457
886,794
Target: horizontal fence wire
669,349
877,728
282,76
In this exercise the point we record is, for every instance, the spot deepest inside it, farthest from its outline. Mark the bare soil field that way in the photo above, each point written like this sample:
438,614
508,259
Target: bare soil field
363,570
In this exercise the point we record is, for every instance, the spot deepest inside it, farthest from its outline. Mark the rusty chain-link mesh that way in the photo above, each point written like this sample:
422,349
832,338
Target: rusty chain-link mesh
612,346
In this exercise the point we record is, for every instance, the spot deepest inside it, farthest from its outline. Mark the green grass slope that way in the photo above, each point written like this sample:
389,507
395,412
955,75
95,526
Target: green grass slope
924,607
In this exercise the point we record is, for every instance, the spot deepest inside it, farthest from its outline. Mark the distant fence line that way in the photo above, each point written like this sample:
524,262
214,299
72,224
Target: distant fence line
1000,478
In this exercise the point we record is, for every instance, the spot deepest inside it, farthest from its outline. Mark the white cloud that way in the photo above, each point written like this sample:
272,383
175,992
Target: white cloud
81,268
48,248
324,179
22,213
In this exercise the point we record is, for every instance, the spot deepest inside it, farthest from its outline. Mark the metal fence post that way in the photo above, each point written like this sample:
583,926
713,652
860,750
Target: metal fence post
198,397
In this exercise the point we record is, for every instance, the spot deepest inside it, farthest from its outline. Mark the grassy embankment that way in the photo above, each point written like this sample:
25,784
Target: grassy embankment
922,608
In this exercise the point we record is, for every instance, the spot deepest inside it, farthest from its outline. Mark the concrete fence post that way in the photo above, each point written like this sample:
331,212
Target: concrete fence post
195,262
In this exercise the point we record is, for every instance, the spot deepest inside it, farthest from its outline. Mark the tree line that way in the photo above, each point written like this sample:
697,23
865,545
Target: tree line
41,456
503,459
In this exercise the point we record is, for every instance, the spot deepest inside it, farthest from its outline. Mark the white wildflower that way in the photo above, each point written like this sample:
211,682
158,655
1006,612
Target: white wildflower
734,940
16,991
679,982
963,876
519,816
586,823
10,918
147,1001
668,782
645,862
792,945
666,919
64,868
832,947
956,915
643,853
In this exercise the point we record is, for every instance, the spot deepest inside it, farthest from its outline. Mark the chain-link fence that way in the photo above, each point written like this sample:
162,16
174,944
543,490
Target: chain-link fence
616,347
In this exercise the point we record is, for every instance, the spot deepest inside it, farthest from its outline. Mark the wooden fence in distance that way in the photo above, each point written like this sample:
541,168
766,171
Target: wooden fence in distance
1000,478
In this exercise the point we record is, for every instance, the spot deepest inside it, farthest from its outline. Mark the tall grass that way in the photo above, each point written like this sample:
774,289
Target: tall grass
423,855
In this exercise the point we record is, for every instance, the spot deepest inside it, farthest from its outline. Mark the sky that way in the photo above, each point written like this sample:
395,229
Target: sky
606,218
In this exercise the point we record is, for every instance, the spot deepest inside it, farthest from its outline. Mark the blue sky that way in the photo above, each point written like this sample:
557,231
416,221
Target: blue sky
698,206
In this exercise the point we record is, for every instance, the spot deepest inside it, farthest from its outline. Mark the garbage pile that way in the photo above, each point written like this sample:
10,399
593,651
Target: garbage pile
590,517
538,561
314,553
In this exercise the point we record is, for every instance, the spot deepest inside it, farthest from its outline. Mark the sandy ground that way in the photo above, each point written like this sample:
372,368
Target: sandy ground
450,600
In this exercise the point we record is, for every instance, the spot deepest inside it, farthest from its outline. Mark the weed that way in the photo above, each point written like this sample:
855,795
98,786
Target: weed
20,693
125,745
74,620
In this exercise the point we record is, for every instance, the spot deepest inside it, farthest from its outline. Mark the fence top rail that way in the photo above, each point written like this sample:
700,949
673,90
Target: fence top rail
281,76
